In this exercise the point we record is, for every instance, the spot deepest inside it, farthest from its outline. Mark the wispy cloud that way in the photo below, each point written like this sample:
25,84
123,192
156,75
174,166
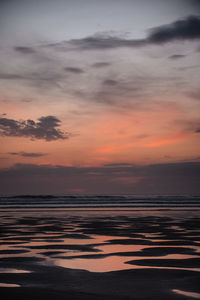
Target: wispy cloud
101,64
110,82
74,70
34,77
45,128
102,42
180,30
177,56
25,50
11,76
28,154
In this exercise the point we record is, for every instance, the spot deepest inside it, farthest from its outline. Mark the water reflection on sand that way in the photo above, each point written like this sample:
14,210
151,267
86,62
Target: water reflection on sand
101,242
114,263
6,285
188,294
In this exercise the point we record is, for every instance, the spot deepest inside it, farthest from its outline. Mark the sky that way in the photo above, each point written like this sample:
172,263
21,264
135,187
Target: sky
99,97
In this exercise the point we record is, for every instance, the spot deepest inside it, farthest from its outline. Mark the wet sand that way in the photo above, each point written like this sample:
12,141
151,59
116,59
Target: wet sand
61,255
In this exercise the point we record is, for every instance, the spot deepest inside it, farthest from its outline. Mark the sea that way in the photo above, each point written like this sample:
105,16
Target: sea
101,202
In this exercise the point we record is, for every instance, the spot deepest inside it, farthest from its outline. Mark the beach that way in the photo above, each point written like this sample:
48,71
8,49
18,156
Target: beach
100,254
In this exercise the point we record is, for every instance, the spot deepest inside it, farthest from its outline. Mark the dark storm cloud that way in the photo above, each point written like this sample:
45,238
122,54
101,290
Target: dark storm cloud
45,128
176,178
180,30
28,154
24,50
74,70
177,56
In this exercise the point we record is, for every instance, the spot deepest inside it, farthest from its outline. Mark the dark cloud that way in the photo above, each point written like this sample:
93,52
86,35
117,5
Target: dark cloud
74,70
24,50
187,29
198,130
10,76
180,30
110,82
119,165
45,128
171,178
28,154
101,64
177,56
101,42
194,3
36,77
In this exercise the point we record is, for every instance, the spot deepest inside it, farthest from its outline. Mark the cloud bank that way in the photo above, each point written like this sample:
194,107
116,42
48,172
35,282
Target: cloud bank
170,178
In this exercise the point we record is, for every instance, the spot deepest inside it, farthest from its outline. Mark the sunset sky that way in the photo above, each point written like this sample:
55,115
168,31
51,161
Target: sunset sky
100,96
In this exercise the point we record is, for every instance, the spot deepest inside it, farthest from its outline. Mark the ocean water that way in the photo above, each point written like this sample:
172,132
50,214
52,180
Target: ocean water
102,202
